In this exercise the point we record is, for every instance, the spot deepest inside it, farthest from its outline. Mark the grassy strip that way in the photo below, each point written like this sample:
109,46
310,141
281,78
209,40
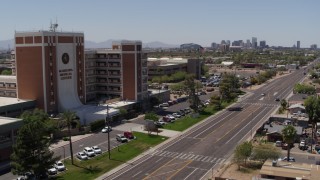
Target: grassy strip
99,165
188,121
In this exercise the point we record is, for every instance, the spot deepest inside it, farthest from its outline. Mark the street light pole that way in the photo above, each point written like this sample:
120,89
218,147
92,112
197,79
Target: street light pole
107,119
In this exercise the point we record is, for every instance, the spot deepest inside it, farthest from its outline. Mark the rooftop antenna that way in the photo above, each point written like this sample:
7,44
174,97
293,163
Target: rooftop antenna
53,26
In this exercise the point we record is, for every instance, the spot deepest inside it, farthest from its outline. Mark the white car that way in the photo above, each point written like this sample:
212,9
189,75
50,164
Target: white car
89,152
121,138
59,166
160,122
291,159
52,171
106,129
176,115
96,149
82,156
172,118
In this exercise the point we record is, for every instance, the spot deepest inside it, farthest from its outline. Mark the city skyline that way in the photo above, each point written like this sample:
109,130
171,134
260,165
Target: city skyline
279,23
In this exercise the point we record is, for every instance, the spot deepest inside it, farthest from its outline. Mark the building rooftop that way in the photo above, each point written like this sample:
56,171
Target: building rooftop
291,170
5,101
275,128
7,123
8,79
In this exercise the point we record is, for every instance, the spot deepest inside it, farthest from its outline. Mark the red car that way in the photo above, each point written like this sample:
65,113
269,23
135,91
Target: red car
128,135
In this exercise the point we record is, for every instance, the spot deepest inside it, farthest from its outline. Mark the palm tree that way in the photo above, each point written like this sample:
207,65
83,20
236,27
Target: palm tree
288,135
312,105
69,117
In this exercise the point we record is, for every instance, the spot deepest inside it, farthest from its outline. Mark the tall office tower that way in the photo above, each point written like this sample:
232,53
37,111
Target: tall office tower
228,42
298,44
120,72
263,44
223,42
248,44
254,42
313,46
50,68
213,45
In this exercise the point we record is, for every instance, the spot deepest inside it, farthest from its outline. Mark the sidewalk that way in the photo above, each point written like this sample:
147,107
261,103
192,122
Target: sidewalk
61,142
140,128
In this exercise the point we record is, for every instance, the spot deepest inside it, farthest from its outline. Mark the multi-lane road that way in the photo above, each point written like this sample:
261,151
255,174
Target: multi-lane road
206,146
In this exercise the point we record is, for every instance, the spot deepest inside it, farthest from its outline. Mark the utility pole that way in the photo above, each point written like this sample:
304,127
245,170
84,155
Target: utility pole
108,124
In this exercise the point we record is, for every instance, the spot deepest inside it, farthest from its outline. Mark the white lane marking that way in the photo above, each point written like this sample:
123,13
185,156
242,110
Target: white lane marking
245,126
275,93
137,174
212,125
207,172
126,170
261,98
159,159
190,174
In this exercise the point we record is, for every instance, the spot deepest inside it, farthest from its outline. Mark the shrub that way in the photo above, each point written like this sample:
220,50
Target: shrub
97,124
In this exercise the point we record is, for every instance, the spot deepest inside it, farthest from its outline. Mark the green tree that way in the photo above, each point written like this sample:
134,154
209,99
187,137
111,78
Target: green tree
288,134
215,100
312,105
31,151
69,118
262,152
6,72
242,153
190,85
229,87
151,116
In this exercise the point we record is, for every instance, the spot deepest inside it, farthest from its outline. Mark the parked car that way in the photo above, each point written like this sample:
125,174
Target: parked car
52,171
170,103
89,152
121,138
128,135
106,129
82,156
164,105
278,143
285,146
96,149
291,159
181,112
160,122
176,115
187,110
172,118
303,145
59,166
166,119
277,99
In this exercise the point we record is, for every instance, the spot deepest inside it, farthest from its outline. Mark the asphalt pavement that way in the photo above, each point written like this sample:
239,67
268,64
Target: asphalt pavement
203,148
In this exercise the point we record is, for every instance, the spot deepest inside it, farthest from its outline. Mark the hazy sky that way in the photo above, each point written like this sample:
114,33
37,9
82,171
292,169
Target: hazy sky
279,22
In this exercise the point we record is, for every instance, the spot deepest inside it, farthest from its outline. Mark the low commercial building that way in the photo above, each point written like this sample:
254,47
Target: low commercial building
8,132
8,86
283,170
13,107
169,66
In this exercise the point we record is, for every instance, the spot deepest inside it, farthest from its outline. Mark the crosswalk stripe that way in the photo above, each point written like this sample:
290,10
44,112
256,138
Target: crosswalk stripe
192,155
182,157
199,158
213,160
179,155
162,153
204,159
207,160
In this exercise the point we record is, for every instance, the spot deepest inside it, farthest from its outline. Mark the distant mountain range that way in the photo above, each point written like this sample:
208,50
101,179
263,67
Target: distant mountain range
5,44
